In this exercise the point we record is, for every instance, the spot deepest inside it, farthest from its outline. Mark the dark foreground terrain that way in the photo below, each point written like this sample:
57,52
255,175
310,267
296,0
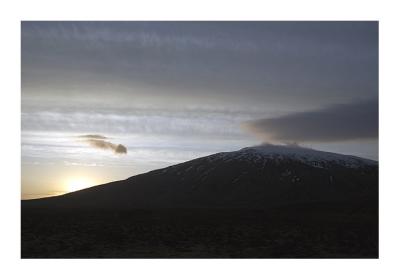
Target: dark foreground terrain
297,231
259,202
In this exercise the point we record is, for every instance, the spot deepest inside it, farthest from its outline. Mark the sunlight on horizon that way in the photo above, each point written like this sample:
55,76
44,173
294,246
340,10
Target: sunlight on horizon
78,183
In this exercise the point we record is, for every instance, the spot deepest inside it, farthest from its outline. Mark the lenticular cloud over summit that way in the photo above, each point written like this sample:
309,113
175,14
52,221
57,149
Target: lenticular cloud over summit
340,122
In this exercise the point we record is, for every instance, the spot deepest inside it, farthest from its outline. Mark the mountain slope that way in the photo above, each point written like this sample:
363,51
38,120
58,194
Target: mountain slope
255,177
258,202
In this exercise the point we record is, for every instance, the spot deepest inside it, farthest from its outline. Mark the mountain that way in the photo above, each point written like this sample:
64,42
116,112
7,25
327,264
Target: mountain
257,177
259,202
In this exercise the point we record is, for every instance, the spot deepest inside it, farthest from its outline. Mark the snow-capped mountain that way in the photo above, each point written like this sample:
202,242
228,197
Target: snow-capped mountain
255,177
279,153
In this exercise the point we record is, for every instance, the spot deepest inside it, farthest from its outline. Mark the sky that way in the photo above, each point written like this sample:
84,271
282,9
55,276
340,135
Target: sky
103,101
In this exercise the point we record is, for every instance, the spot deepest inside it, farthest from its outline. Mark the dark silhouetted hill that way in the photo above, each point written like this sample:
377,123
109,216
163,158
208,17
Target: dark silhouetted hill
259,202
256,177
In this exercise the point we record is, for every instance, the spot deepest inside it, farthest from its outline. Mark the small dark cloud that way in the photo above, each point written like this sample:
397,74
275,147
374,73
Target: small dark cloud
120,149
97,141
340,122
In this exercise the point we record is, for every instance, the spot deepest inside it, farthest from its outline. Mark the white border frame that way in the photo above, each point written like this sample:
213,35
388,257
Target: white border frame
15,268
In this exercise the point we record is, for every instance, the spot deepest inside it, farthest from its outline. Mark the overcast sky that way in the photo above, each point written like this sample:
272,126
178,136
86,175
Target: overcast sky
172,91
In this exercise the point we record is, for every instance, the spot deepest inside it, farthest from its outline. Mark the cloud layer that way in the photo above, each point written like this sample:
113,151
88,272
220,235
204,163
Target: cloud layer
97,141
318,62
340,122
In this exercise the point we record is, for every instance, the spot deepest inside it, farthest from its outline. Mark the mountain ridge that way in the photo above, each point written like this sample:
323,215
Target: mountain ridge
235,204
254,177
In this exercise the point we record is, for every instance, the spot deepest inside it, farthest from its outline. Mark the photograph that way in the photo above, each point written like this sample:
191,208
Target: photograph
199,139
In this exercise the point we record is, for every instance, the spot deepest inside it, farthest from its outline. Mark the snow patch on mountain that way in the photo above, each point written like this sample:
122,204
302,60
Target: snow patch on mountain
318,159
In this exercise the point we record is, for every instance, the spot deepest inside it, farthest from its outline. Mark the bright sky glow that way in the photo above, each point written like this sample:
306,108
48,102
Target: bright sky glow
78,183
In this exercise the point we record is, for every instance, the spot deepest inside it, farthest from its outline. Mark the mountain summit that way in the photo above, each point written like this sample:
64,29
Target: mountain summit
257,177
268,152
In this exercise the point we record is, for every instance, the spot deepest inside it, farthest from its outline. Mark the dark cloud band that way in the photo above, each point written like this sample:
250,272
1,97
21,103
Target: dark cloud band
340,122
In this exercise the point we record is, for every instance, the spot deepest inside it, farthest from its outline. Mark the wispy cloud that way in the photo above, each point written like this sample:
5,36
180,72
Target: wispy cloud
150,35
209,123
93,136
340,122
98,141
